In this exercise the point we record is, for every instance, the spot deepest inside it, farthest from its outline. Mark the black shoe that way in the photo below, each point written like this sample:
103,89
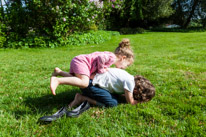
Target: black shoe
76,112
60,113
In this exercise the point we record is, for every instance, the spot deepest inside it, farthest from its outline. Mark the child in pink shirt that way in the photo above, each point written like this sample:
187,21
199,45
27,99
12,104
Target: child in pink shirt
82,67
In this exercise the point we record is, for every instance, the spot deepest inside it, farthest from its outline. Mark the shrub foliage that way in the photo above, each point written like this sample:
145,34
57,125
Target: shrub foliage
38,21
49,23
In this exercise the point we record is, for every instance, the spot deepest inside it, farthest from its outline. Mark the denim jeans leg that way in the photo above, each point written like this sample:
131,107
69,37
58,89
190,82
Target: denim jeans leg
100,95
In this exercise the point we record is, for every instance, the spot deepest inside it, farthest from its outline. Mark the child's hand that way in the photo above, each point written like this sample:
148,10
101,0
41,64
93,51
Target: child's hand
129,97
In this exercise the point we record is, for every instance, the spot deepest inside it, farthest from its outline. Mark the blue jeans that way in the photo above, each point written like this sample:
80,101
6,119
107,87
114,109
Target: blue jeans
100,95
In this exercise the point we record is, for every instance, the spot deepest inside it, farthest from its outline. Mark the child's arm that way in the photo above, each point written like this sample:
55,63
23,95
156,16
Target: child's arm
129,97
104,61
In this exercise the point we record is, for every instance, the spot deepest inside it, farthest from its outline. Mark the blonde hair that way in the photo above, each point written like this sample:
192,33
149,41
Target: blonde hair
124,49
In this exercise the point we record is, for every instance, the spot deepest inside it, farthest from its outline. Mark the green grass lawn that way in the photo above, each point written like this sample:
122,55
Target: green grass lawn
174,62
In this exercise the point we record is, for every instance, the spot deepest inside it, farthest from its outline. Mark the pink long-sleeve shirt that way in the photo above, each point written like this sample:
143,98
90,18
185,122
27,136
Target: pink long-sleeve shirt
87,64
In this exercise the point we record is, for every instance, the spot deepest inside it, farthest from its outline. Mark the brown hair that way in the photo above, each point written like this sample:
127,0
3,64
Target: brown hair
124,49
144,90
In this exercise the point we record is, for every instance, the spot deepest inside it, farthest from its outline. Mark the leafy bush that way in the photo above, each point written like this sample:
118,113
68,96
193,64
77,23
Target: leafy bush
43,23
91,37
75,16
131,30
2,34
52,19
29,42
2,38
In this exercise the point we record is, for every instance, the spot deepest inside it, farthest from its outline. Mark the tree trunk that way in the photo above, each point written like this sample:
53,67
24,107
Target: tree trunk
179,10
191,13
204,23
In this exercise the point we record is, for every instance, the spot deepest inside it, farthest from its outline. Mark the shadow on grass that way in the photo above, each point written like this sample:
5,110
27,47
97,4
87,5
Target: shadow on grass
45,105
49,104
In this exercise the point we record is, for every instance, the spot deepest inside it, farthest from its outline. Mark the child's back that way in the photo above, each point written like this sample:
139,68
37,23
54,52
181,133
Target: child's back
115,80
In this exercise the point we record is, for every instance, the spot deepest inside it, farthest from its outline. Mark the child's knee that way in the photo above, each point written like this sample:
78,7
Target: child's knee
84,81
113,103
84,84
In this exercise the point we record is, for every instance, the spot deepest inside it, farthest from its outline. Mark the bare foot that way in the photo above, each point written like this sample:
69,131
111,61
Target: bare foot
54,84
56,71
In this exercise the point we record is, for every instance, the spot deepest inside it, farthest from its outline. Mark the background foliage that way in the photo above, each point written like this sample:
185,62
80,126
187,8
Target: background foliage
188,10
51,23
2,34
139,13
41,20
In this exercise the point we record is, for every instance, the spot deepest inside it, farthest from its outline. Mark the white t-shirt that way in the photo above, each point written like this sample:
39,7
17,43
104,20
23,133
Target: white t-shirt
115,81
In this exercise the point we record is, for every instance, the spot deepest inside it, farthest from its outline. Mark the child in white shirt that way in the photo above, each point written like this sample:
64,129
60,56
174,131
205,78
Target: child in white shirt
103,89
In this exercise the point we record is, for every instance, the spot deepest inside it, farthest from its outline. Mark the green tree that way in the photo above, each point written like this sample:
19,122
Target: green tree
187,11
202,13
141,13
194,5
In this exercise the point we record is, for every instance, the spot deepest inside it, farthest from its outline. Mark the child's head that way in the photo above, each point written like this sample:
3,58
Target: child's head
124,53
144,91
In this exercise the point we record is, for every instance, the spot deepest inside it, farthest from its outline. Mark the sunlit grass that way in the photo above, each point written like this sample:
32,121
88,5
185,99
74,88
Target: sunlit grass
174,62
